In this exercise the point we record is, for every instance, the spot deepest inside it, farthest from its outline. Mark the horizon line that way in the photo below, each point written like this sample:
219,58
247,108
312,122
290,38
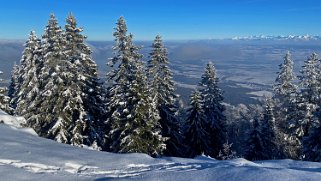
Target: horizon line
187,39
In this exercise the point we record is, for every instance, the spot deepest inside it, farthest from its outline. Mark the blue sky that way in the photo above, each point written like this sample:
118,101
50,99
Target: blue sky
173,19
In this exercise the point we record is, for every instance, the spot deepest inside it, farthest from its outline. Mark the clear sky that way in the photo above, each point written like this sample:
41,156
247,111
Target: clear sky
173,19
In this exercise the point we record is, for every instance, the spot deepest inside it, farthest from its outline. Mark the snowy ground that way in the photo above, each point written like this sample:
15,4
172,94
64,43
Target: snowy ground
24,156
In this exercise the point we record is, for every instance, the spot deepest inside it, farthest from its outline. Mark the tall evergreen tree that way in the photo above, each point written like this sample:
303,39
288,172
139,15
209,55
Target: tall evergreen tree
213,110
12,93
53,119
284,87
295,129
65,99
311,128
269,131
134,119
194,130
162,91
26,84
84,86
255,148
312,145
284,91
286,107
309,93
4,100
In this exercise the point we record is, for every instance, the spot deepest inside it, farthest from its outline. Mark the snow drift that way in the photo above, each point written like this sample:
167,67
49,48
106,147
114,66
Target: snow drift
25,156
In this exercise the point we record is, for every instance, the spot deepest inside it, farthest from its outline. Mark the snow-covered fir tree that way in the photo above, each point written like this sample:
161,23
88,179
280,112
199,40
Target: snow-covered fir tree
26,84
284,87
195,133
56,87
133,116
308,97
284,92
4,99
312,145
162,91
292,141
13,86
311,129
254,147
213,110
239,121
296,119
303,110
53,120
271,141
84,87
63,102
285,99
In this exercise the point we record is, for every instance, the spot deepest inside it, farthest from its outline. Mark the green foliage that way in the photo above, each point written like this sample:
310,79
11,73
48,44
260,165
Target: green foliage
4,100
162,91
212,97
56,87
133,117
195,135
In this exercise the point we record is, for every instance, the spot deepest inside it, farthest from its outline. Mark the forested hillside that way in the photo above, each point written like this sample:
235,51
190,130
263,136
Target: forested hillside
136,109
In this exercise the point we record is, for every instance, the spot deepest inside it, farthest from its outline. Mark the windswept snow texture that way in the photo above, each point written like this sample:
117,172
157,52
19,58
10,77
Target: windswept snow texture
15,122
24,156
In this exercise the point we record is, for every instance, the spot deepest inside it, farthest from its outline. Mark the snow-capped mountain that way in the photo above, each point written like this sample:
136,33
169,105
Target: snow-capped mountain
279,37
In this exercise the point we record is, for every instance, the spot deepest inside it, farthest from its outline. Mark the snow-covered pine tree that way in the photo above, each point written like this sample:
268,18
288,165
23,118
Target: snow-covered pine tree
31,111
284,87
26,83
133,117
162,91
195,133
115,92
309,92
286,106
54,116
255,148
312,128
84,86
146,129
295,132
304,108
239,124
213,110
284,91
312,145
270,136
12,93
4,100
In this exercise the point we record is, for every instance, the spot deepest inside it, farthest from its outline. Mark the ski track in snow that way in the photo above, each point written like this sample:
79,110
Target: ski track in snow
131,170
135,170
31,167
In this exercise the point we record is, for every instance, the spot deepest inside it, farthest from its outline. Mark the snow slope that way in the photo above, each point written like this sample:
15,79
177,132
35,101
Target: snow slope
15,122
24,156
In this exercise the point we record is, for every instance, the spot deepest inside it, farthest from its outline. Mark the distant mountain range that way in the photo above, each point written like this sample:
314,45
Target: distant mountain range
280,37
